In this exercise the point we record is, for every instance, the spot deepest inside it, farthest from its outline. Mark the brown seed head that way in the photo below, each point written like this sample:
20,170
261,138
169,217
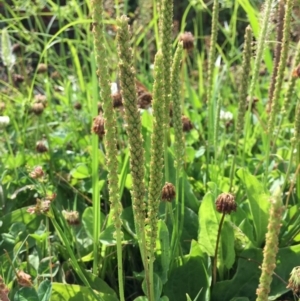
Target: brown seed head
42,68
41,147
72,217
98,126
41,207
187,39
294,281
37,108
37,173
16,48
24,279
296,72
41,99
144,100
55,75
168,192
17,78
77,106
4,290
117,100
225,203
187,125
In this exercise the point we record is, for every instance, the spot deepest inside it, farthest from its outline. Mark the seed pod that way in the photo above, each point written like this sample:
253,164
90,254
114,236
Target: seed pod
168,192
225,203
41,147
187,39
98,126
187,125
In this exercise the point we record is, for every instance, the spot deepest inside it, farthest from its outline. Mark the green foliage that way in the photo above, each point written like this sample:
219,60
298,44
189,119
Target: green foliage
59,226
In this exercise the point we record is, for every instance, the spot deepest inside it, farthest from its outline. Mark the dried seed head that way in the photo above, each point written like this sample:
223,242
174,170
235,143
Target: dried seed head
187,126
187,39
17,78
117,100
225,203
16,48
296,72
72,217
37,108
41,147
140,88
144,100
55,75
41,99
42,68
77,106
4,290
41,207
168,192
24,279
294,281
98,126
37,173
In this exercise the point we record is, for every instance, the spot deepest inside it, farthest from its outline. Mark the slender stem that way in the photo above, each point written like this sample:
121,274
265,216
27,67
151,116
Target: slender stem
95,174
216,250
298,176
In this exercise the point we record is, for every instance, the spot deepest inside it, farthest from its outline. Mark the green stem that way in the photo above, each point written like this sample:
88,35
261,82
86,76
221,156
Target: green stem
298,175
259,53
73,260
216,249
95,174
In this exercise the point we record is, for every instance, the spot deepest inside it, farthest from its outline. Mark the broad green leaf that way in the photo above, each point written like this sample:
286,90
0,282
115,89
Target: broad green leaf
88,220
67,292
107,236
226,253
190,154
244,282
208,224
190,229
162,251
99,284
31,221
26,294
48,267
259,204
141,298
44,290
81,171
189,275
246,279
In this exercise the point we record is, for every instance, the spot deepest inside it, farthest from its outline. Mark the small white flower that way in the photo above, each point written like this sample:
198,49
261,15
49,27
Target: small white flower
4,121
114,88
226,115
